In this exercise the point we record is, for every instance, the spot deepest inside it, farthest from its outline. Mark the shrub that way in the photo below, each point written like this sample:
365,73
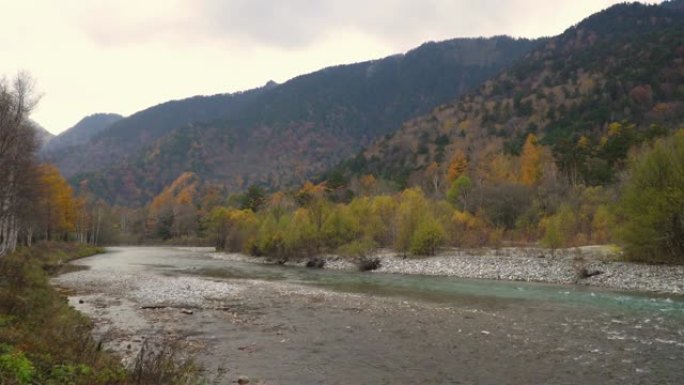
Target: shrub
15,368
358,249
427,238
559,229
652,203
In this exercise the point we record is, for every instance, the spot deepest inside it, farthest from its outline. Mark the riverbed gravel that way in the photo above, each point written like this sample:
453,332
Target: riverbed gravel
151,290
564,266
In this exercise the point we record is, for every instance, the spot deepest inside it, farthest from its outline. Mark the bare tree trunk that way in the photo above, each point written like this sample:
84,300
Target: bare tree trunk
18,146
97,229
29,236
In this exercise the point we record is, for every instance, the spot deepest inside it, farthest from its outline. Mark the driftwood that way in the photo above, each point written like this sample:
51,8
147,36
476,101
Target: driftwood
583,273
184,310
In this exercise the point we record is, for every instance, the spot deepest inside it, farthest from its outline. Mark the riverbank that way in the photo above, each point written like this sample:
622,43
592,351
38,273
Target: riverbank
43,340
562,266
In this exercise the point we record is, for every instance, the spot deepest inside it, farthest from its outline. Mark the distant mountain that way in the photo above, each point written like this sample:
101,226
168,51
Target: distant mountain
124,139
43,135
81,133
282,134
591,93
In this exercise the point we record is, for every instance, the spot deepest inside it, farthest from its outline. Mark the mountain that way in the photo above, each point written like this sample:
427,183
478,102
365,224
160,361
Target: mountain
43,135
126,137
80,133
282,133
589,94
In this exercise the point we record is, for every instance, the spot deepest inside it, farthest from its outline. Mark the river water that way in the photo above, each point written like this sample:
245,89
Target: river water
289,325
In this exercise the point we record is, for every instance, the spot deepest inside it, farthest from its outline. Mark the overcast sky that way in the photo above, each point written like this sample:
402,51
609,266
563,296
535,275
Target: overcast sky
122,56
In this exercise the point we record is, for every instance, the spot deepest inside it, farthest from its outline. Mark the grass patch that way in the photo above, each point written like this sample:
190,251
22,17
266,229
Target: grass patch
42,339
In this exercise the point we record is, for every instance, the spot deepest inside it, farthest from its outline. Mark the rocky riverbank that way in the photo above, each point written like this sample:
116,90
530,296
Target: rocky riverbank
591,265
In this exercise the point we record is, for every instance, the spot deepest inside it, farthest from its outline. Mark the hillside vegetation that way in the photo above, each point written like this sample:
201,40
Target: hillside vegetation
589,94
281,134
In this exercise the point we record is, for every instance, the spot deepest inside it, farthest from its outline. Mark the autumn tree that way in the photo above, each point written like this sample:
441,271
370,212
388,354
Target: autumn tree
560,229
173,212
531,161
457,167
411,212
383,210
56,205
428,236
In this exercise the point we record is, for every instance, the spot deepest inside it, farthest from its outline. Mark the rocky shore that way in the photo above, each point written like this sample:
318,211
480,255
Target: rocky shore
591,265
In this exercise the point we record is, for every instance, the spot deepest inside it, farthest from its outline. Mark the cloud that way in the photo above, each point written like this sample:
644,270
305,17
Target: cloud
125,55
300,23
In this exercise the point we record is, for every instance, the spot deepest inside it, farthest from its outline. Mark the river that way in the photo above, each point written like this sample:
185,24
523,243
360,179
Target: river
289,325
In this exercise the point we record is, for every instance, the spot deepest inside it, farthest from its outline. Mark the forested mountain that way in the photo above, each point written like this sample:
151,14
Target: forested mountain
281,134
80,133
124,139
589,94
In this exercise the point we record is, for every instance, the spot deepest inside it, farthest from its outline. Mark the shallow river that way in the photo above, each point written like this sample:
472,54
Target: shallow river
289,325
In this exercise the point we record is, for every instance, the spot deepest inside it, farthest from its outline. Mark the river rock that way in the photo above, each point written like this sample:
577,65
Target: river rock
242,380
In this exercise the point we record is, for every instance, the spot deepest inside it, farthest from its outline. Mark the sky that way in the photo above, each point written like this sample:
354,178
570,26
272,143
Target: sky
122,56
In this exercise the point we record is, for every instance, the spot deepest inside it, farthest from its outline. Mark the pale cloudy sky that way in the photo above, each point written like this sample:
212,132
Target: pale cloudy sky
125,55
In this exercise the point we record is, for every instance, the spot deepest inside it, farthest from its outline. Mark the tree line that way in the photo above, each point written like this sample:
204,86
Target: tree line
36,202
523,200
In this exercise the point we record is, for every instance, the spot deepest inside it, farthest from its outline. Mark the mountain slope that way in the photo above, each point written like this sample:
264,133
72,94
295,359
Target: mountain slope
283,134
44,136
590,93
80,133
125,138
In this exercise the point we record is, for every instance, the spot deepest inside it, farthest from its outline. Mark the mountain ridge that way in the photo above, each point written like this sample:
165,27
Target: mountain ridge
81,132
623,66
283,134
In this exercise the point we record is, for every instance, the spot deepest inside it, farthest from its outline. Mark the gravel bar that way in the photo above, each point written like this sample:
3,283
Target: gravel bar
561,266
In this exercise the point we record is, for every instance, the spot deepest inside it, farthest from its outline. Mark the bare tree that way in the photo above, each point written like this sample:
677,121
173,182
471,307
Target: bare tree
18,146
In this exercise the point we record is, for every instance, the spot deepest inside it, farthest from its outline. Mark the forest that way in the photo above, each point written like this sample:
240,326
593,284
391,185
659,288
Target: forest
36,202
516,201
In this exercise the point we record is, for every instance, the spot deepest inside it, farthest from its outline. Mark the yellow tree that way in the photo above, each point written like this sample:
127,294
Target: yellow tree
458,166
531,161
412,209
499,168
312,197
172,212
56,204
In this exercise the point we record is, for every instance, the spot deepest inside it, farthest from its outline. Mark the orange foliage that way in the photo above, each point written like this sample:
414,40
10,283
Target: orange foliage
313,189
56,206
458,166
530,162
